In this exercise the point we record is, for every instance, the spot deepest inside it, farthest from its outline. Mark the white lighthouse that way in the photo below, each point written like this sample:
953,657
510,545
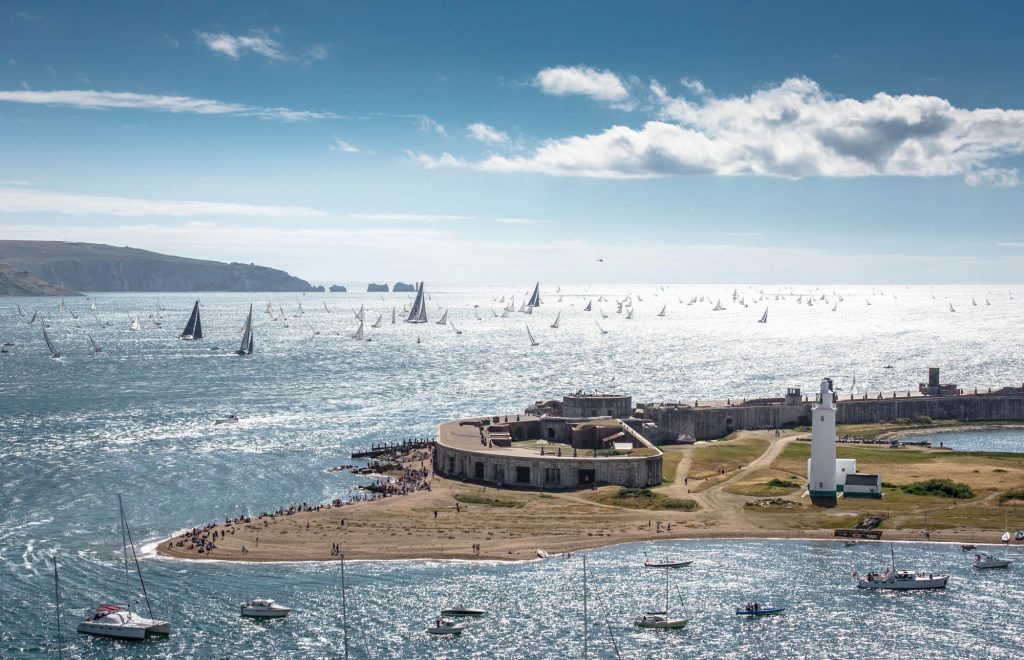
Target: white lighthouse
822,473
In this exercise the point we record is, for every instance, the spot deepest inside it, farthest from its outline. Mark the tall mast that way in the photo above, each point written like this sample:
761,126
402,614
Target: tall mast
124,549
60,623
585,654
138,569
344,608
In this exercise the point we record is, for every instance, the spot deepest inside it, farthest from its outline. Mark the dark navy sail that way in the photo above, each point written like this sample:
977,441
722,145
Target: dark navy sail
535,298
418,313
194,327
247,339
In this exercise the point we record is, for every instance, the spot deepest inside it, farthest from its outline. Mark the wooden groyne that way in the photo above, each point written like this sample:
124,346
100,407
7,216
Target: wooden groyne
375,451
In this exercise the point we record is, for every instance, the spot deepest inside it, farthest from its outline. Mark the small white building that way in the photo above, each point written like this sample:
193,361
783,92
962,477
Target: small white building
863,485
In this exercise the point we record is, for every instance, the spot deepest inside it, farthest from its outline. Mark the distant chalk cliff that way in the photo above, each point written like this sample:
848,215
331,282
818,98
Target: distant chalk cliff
96,267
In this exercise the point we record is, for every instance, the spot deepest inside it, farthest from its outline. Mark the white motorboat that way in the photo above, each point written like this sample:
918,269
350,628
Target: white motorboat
984,560
462,611
264,608
659,620
122,623
230,419
444,626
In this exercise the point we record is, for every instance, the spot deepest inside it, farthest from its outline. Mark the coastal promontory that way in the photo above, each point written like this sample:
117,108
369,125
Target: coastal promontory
14,282
97,267
402,287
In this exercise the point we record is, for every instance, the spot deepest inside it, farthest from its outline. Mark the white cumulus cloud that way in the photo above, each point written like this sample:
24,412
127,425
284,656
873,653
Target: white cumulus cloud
485,133
88,99
257,42
582,80
793,129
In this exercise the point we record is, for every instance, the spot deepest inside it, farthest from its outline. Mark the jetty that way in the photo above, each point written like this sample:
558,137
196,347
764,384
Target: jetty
376,451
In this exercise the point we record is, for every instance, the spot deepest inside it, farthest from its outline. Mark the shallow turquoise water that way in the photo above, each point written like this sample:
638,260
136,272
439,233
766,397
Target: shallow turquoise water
138,419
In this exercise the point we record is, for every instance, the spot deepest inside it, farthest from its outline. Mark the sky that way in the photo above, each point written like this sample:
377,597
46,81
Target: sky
485,143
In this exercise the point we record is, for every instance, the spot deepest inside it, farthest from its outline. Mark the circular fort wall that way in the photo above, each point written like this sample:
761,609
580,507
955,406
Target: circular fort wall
517,468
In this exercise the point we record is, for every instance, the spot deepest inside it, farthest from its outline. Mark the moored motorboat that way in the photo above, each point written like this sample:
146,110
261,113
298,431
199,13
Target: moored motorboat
462,611
665,563
985,560
444,626
902,580
264,608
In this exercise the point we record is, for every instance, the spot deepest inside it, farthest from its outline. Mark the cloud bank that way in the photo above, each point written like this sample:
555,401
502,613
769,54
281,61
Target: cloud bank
102,100
28,201
793,129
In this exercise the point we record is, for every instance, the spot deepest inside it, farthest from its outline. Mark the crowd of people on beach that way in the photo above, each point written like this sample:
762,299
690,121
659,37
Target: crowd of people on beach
203,540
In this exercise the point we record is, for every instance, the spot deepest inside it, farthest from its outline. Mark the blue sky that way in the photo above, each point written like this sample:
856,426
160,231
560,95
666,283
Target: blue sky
486,143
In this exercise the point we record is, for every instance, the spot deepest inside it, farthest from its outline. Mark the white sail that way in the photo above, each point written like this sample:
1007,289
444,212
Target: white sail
662,312
558,317
454,329
135,326
359,332
588,307
533,342
270,309
444,318
246,347
718,307
764,317
951,307
376,324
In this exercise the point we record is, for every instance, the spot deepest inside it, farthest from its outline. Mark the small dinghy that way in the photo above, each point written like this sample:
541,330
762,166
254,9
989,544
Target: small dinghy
462,611
444,626
659,620
757,609
230,419
264,608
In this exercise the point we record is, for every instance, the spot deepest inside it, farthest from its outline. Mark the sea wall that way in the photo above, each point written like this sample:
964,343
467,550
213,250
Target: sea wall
708,423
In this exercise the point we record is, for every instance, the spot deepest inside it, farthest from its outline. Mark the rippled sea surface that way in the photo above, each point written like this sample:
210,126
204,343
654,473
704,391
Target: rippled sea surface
137,419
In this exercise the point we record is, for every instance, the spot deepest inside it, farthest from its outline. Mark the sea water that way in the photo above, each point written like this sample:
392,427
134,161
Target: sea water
138,419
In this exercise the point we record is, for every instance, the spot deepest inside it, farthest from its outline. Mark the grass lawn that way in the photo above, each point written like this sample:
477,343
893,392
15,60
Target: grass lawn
639,498
711,457
759,484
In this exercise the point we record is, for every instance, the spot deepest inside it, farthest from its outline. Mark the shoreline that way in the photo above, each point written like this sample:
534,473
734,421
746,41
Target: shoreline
438,519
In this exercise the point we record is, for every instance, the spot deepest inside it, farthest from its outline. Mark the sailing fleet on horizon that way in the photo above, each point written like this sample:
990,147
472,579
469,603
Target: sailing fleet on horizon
626,307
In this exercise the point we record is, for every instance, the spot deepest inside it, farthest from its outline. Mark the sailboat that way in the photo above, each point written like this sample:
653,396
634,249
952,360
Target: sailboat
588,307
535,298
21,313
359,335
660,620
662,312
558,317
764,317
835,307
533,342
973,303
630,314
194,327
33,319
270,309
378,322
54,353
718,307
247,339
987,302
393,316
454,329
95,347
951,307
120,621
135,325
444,318
418,313
603,331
